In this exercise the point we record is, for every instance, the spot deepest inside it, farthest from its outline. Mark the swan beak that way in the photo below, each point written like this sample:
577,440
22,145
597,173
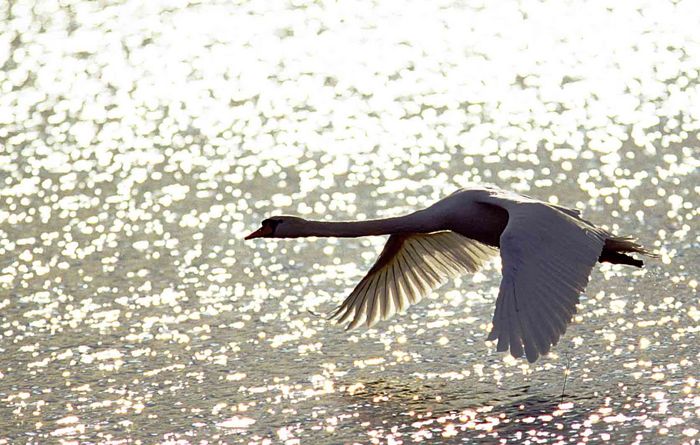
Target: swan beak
260,233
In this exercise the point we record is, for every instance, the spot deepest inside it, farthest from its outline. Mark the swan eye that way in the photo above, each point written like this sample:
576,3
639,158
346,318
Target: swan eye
272,223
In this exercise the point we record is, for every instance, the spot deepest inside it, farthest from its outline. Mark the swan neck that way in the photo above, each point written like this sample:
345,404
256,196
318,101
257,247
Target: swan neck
415,222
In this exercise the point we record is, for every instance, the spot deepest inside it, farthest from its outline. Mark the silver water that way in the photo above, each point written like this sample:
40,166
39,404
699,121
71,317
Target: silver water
140,141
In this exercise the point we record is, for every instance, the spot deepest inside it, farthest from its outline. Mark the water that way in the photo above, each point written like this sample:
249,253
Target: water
139,142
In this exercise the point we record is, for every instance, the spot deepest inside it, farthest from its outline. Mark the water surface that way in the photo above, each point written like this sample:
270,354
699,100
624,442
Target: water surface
139,142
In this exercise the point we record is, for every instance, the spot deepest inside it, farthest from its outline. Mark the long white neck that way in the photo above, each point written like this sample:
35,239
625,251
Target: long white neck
415,222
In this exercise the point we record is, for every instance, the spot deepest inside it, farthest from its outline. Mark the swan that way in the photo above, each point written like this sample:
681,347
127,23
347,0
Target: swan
547,254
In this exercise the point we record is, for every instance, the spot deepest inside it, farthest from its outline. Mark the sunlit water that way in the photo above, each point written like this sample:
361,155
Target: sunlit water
139,141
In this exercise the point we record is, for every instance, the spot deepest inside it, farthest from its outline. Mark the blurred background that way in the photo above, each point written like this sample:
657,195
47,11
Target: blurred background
140,141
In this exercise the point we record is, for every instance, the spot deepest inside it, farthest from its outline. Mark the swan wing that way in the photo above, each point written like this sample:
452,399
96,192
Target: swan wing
547,256
409,267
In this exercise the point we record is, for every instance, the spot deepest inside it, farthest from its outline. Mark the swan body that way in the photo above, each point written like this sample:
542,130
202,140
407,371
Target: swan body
547,254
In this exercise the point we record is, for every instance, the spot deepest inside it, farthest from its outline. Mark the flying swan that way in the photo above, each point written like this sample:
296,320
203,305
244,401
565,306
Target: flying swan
547,254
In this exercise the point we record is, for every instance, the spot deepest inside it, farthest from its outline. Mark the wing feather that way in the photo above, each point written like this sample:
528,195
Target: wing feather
350,306
409,267
401,288
392,296
443,265
547,255
427,276
515,334
411,284
431,266
417,286
370,301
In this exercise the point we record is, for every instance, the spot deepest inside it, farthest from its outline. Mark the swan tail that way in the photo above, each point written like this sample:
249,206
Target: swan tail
617,249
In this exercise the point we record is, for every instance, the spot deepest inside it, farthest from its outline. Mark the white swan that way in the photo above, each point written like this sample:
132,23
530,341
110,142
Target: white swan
547,254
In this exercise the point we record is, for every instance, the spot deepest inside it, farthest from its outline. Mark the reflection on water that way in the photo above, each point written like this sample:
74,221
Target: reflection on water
140,141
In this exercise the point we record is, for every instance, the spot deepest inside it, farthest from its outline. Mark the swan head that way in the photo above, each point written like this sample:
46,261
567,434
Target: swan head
280,227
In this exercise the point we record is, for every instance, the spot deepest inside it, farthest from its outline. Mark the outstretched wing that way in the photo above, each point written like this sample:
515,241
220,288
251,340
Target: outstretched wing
547,257
409,267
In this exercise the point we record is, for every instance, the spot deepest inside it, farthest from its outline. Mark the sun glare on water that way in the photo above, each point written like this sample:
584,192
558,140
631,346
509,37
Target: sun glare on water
140,141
